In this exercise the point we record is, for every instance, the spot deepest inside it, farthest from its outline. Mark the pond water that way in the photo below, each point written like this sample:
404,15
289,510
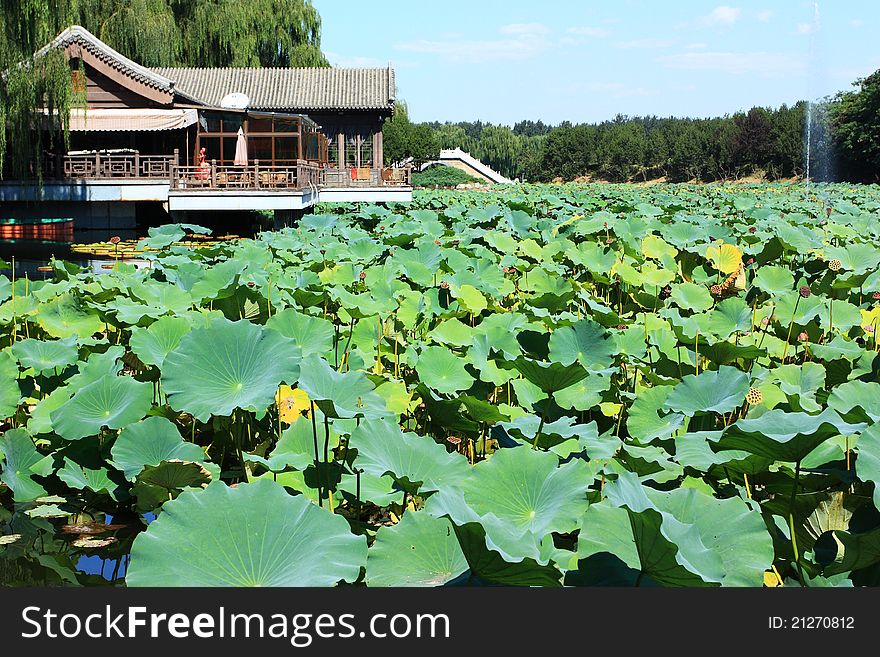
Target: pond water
30,254
85,549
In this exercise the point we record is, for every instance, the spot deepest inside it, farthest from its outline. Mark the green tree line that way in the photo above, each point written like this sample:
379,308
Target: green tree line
844,143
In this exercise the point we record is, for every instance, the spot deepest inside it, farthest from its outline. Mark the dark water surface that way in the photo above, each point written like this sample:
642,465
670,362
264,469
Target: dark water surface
30,254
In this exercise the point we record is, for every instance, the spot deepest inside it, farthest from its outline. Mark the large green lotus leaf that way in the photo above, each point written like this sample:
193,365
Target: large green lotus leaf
671,552
726,318
501,330
783,436
802,382
520,496
857,394
79,477
22,461
64,317
153,344
217,281
97,367
112,402
690,296
149,442
854,552
868,462
420,550
10,393
550,377
644,422
584,394
719,391
173,475
252,535
488,566
380,491
339,394
314,335
585,342
416,462
774,280
226,366
45,355
729,528
442,370
452,332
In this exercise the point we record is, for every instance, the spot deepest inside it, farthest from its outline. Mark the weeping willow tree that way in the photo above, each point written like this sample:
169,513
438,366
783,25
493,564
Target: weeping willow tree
202,33
208,32
28,83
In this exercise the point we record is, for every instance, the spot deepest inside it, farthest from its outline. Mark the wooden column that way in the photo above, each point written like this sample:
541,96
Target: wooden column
378,153
340,142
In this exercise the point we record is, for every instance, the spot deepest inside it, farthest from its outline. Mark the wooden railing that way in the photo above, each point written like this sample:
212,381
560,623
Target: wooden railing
213,177
118,165
366,177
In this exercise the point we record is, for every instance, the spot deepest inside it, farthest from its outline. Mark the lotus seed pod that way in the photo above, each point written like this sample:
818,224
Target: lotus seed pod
803,337
805,291
444,285
715,290
876,295
753,230
363,275
834,265
665,293
754,396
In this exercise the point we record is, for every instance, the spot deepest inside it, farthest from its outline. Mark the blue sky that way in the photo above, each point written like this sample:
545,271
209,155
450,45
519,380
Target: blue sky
506,60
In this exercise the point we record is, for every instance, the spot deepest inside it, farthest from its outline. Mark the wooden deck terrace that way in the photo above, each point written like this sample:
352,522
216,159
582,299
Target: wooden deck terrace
217,177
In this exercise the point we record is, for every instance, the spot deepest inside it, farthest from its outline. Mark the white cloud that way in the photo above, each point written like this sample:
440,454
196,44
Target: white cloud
354,61
522,41
721,15
645,44
697,46
806,28
596,32
764,16
763,63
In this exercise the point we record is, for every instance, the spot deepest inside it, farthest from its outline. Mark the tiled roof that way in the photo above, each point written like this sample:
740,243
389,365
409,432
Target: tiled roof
300,89
77,35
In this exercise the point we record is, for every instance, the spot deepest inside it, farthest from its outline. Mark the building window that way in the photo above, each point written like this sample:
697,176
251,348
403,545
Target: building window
366,151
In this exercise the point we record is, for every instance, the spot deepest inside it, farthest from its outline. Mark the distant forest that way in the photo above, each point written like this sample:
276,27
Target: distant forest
769,142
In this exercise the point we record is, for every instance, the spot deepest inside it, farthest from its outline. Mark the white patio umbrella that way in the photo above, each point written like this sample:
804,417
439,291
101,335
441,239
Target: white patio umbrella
241,158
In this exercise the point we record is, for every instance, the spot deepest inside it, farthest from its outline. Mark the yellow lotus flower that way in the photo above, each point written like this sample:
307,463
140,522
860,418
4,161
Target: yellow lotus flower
292,402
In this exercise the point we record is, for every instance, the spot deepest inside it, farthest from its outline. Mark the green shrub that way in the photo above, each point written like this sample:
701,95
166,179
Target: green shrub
442,176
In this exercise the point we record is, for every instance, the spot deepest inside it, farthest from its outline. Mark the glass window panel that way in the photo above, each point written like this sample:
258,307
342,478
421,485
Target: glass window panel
232,122
367,151
211,122
286,125
212,148
351,150
286,148
260,124
229,149
260,148
333,152
312,147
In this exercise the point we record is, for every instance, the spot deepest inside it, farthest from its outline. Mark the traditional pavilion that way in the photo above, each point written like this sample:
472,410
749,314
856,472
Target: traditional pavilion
171,135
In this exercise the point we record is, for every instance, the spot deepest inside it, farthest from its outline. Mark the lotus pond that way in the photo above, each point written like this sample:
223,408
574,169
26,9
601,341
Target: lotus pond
535,386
